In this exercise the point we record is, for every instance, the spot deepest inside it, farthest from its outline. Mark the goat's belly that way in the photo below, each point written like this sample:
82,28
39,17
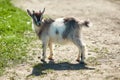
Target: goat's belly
59,40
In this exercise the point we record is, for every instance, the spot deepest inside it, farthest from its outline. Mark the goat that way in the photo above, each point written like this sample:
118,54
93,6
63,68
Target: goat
60,30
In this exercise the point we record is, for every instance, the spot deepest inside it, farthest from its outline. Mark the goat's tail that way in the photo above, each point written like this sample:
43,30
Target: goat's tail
86,23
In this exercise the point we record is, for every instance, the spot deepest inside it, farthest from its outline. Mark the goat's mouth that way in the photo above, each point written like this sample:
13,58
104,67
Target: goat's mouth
37,23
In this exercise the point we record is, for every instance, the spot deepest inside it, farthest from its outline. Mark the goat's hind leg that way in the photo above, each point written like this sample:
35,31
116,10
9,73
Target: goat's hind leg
81,48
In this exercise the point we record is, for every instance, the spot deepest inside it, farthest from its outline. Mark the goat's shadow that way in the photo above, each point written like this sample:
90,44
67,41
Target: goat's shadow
41,67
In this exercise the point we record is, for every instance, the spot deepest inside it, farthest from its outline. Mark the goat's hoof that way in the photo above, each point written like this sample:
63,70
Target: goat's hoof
78,60
43,61
51,62
38,57
83,63
51,59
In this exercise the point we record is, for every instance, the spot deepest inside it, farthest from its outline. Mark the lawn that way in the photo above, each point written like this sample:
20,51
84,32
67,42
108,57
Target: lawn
13,42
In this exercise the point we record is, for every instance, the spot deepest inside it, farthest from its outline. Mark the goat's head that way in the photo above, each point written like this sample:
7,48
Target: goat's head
36,16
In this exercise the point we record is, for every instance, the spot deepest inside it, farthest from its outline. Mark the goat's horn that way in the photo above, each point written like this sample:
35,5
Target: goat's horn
33,11
43,11
28,11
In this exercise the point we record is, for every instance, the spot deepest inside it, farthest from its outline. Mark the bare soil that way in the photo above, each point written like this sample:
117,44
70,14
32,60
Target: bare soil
102,42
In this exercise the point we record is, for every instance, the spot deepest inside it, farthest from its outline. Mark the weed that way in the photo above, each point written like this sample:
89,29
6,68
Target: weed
13,42
63,60
65,74
49,70
112,77
92,61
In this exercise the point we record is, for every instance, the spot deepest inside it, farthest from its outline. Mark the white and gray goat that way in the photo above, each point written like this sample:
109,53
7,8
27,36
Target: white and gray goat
61,30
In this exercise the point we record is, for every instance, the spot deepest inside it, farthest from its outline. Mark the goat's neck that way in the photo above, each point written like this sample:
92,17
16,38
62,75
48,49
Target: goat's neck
36,28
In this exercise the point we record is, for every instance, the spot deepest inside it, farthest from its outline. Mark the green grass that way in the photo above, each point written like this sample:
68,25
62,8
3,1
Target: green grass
13,42
92,61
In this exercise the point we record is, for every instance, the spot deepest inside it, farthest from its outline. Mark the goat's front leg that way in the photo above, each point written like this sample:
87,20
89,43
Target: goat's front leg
44,45
51,52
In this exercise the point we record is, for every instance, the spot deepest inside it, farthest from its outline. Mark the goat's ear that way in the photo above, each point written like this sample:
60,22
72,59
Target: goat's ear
43,11
29,13
33,11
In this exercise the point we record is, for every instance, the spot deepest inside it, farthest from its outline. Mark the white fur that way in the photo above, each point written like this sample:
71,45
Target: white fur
60,26
35,28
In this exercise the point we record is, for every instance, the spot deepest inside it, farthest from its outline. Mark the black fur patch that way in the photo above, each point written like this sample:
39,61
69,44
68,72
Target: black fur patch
71,24
37,17
45,25
57,32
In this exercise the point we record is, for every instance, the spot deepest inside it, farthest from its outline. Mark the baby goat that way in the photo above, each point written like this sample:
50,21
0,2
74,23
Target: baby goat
60,30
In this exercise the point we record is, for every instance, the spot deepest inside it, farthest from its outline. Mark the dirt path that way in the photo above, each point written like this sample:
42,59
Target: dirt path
102,41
